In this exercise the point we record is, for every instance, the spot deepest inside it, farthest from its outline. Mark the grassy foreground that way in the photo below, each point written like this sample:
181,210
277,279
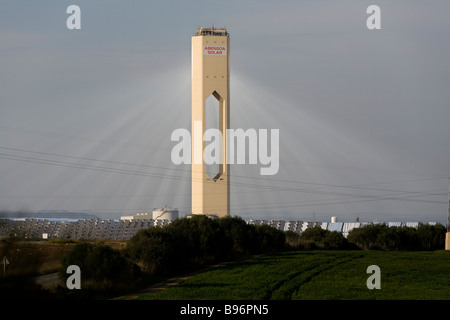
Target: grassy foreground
302,275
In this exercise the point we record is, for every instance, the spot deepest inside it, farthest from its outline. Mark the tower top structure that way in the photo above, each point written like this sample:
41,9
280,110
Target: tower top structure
212,31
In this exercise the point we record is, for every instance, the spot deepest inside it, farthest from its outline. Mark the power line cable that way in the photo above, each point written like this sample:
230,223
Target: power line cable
258,186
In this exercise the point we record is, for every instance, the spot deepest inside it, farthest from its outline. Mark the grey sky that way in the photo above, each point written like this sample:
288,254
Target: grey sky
86,115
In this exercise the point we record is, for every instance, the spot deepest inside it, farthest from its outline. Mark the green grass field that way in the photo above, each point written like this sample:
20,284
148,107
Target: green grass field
305,275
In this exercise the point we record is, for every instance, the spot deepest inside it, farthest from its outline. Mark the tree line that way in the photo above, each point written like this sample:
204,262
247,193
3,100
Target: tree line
372,237
189,243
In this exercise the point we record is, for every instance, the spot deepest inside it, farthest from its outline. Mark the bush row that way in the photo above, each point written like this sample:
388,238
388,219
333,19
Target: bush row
372,236
383,237
189,242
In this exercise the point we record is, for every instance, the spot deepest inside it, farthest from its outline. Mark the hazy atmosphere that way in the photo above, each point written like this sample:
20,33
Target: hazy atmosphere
86,115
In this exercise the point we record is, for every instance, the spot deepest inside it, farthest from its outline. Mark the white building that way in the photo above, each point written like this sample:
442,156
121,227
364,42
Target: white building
165,213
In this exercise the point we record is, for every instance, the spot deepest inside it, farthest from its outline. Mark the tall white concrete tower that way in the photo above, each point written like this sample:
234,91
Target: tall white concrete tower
210,95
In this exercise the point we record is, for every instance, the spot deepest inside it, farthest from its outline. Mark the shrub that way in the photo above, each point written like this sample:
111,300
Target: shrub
315,234
269,239
100,265
238,237
154,249
316,237
199,238
293,239
335,240
366,236
431,237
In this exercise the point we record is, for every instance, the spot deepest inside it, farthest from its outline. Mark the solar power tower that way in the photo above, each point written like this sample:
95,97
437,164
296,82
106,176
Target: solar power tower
210,95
